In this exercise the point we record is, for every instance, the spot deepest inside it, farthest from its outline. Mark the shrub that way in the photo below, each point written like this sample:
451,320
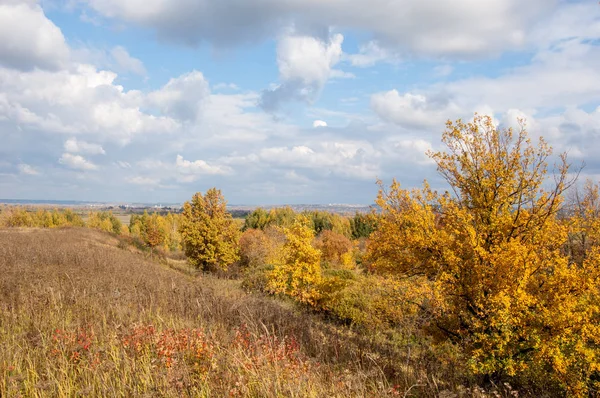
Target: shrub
255,248
336,249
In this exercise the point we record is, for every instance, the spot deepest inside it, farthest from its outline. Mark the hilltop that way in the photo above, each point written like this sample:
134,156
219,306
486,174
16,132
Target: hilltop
81,313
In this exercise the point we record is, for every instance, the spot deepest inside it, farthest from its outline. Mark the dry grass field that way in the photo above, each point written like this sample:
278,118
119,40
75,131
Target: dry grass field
81,315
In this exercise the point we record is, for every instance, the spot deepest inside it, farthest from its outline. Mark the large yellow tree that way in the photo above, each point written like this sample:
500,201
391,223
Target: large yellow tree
489,257
297,271
209,234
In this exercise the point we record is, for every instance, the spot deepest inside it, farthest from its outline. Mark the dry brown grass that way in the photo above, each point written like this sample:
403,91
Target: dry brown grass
81,317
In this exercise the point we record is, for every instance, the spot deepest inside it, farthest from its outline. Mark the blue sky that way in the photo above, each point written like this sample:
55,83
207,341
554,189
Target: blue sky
274,102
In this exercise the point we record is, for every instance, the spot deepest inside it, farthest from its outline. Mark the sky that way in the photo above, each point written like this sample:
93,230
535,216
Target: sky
279,101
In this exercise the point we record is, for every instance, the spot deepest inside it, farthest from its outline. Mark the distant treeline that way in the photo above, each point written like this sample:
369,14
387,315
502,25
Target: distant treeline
360,225
160,228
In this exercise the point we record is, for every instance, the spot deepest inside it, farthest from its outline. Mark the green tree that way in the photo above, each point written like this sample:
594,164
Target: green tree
209,234
258,219
282,216
362,225
73,218
319,220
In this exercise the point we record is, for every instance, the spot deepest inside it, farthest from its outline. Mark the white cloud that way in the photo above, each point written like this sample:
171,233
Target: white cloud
414,151
126,62
226,86
192,170
296,178
564,75
182,97
413,110
319,123
575,131
74,146
570,20
371,53
426,27
28,169
567,74
350,159
340,74
144,181
76,162
81,101
308,59
232,120
30,40
151,164
305,64
75,106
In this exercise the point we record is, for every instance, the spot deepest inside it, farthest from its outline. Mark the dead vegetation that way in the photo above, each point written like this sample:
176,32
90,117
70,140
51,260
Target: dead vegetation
80,316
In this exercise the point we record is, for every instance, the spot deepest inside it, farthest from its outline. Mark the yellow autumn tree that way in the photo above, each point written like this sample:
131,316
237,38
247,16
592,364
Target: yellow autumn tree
173,238
18,217
488,256
209,233
156,232
297,273
582,215
336,249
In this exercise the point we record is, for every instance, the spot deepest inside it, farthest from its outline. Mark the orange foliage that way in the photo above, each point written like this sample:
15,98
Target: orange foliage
335,248
255,248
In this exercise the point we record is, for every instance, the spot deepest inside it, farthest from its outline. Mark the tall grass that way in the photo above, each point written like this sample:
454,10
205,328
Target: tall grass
80,316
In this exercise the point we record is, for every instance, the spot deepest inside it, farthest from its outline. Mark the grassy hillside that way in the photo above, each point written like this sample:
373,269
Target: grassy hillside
80,316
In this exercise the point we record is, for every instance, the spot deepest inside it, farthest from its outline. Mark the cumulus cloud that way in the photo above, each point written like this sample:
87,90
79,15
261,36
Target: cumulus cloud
308,59
567,74
182,97
371,53
76,162
305,64
72,108
319,123
232,119
191,170
81,101
74,146
30,40
349,159
144,181
413,110
575,131
425,27
561,75
414,151
28,169
126,62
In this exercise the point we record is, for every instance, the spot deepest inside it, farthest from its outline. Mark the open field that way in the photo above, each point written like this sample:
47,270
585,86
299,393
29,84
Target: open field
81,315
124,218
